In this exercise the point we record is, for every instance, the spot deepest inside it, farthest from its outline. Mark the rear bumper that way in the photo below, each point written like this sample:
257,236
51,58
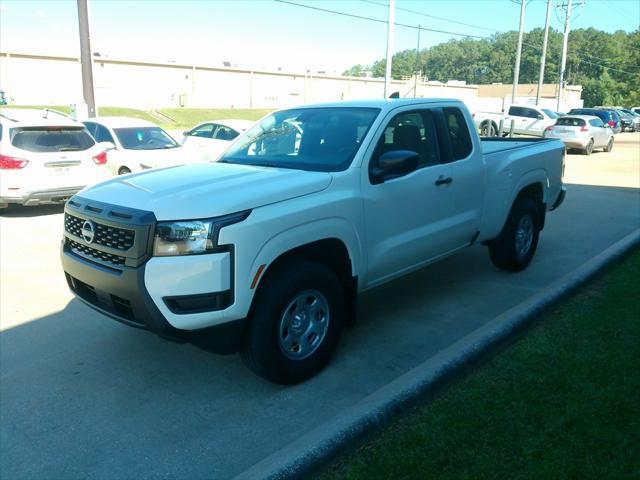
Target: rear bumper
39,197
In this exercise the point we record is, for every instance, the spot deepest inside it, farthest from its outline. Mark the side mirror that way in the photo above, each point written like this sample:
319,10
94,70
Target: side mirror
396,163
186,133
106,146
540,116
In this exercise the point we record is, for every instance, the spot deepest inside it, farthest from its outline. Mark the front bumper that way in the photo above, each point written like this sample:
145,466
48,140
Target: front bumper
179,298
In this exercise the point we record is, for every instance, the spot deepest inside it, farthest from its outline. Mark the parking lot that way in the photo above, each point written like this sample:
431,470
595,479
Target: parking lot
83,396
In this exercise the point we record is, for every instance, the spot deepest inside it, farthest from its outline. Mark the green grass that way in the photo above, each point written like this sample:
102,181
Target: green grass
561,403
179,118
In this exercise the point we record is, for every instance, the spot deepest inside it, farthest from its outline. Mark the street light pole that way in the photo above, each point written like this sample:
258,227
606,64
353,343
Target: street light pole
390,25
417,67
516,71
563,63
544,53
86,59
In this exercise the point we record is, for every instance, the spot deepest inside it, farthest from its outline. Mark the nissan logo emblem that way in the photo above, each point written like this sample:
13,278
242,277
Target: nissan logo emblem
88,231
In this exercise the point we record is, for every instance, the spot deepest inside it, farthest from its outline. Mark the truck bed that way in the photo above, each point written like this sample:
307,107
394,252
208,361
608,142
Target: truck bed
495,144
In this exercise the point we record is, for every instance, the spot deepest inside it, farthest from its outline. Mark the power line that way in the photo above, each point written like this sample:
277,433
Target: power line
433,16
377,20
418,27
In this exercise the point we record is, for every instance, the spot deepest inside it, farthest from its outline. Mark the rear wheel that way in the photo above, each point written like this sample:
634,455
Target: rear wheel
295,323
123,171
488,129
609,146
589,148
514,248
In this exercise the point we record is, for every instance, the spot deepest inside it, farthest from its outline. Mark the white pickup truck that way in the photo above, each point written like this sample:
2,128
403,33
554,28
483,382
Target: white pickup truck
266,250
527,120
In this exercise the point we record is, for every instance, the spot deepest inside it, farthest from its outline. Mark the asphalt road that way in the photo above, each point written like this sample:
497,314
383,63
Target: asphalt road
82,396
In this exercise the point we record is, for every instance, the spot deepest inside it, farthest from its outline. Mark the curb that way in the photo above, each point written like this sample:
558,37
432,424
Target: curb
308,454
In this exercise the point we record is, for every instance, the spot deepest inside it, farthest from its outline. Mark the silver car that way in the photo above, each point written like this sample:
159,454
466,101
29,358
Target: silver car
582,132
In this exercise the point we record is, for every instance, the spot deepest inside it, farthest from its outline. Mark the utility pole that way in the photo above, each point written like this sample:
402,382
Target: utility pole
86,59
544,53
563,63
516,71
417,67
390,25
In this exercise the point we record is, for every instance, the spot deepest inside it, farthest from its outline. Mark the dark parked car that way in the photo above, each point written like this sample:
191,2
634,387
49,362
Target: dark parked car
608,117
635,118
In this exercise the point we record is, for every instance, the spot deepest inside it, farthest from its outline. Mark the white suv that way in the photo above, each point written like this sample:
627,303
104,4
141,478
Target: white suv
46,157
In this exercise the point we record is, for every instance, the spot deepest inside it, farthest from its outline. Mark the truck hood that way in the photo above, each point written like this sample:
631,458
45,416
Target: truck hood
206,190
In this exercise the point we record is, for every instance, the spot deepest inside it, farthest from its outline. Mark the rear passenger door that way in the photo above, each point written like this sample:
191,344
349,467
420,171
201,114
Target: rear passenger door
467,176
407,218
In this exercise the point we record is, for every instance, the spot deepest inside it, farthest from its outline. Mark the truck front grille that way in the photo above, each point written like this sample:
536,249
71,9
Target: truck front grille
92,253
105,235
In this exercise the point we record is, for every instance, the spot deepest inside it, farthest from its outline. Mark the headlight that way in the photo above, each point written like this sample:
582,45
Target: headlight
190,237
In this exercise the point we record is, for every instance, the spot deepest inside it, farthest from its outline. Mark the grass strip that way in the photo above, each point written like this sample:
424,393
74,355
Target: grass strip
562,402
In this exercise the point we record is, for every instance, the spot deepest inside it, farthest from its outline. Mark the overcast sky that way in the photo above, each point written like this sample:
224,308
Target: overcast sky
271,34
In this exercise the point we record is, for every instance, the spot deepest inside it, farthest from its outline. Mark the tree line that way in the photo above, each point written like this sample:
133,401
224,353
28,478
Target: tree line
607,65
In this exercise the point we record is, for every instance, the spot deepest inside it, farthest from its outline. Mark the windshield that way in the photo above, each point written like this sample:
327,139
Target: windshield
51,139
144,138
550,113
316,139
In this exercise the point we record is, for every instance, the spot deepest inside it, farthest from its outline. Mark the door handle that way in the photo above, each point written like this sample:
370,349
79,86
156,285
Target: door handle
442,180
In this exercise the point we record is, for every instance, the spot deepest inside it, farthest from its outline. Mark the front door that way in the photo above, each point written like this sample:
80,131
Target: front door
407,219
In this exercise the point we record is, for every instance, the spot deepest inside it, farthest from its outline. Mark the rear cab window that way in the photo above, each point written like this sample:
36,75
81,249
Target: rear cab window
458,129
51,139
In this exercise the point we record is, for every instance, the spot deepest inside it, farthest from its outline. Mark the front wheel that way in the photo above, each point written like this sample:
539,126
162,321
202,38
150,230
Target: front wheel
295,323
514,248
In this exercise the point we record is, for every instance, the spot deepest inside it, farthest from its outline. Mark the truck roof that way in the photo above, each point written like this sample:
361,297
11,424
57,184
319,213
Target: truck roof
383,103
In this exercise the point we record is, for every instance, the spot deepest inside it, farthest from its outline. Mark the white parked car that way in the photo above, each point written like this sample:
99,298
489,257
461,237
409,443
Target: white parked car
136,144
46,157
582,132
527,120
210,139
267,249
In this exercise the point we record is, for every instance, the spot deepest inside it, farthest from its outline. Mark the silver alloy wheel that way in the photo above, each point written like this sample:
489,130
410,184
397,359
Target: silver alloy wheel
524,235
304,325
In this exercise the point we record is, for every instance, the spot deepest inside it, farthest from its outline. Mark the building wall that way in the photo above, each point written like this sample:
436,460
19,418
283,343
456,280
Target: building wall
48,80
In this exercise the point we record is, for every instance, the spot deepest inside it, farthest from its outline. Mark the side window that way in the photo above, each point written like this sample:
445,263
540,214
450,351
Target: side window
0,131
102,134
596,122
204,131
225,133
461,145
534,113
413,131
516,111
91,127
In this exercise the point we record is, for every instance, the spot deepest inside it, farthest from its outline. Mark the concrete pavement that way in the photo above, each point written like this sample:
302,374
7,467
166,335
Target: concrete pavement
82,396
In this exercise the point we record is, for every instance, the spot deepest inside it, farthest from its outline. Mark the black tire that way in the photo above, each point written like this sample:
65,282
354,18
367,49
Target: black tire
588,150
503,250
609,146
123,171
263,349
487,129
